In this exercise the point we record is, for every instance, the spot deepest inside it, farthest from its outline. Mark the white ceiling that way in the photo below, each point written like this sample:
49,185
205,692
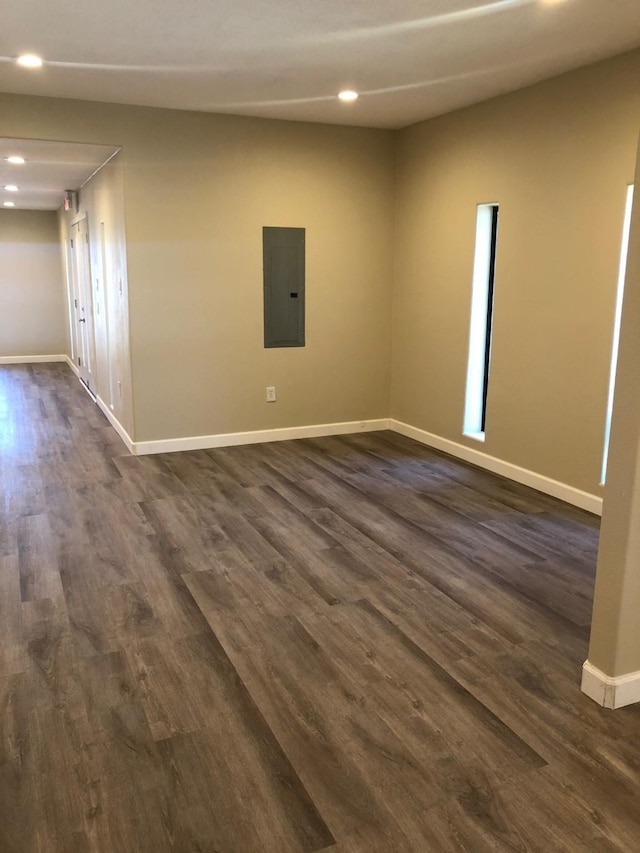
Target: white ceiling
51,168
410,59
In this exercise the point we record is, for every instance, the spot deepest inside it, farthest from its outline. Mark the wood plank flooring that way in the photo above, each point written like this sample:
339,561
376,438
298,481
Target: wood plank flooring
347,644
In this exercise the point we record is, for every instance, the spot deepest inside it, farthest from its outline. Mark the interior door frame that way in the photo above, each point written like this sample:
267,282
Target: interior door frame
83,304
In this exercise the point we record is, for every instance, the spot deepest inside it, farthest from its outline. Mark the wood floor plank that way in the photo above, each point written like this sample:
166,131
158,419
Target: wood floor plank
350,644
349,766
238,761
39,576
20,807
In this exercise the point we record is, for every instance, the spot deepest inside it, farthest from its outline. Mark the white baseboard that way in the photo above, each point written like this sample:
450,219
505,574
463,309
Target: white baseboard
204,442
31,359
584,500
608,691
72,365
115,423
104,408
569,494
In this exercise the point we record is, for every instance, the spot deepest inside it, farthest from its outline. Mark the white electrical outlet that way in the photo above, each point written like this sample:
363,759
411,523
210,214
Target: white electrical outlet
271,394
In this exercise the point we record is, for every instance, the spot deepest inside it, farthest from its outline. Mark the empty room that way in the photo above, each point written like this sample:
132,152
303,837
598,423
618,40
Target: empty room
319,427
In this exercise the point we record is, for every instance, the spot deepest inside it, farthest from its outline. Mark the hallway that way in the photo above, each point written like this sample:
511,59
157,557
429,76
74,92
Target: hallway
342,644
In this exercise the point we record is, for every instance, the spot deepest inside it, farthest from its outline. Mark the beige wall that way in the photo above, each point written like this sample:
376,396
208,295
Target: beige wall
32,302
615,632
557,157
198,190
101,201
195,214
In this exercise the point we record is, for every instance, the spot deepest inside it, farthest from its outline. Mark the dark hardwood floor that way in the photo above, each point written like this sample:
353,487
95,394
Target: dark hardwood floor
342,644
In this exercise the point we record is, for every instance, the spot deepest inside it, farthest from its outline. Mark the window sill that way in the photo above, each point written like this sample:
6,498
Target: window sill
476,436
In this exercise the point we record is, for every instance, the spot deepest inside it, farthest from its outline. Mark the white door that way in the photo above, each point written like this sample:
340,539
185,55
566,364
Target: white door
83,303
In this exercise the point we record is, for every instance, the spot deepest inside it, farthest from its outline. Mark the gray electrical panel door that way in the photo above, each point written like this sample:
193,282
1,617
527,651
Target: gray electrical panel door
283,259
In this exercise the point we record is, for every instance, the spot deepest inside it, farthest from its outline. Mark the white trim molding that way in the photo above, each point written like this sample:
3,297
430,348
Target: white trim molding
106,411
115,423
31,359
72,365
569,494
562,491
204,442
610,691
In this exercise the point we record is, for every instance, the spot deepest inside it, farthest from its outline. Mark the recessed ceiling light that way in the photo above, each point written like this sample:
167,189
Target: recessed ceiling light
348,96
29,60
8,204
11,188
15,159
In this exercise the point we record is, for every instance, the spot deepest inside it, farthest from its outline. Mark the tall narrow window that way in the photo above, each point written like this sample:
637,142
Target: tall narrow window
624,250
484,268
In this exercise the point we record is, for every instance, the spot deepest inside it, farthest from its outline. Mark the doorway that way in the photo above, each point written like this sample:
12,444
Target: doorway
83,314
